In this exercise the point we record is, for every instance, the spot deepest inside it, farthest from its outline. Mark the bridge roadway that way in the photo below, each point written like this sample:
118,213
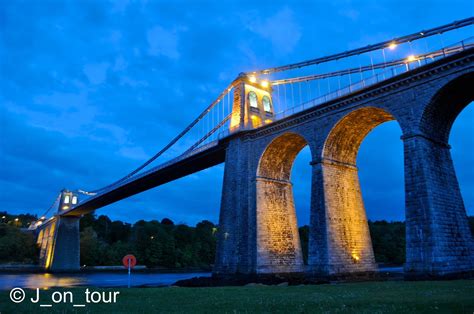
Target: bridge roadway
215,155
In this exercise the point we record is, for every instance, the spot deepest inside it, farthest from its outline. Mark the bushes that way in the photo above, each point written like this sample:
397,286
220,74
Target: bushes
17,246
154,243
164,244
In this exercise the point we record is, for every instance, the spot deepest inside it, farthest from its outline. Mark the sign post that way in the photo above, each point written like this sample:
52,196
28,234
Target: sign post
129,261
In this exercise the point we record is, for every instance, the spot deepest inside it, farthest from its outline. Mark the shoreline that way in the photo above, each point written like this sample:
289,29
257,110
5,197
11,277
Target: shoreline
30,268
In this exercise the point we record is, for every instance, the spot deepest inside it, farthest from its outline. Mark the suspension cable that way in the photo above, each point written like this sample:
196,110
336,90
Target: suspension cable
169,145
349,53
56,201
368,67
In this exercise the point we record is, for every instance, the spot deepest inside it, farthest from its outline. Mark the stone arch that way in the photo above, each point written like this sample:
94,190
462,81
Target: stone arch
439,241
439,115
278,157
278,242
343,142
339,236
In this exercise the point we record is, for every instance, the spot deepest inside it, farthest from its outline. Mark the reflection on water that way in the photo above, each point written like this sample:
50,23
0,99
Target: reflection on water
8,281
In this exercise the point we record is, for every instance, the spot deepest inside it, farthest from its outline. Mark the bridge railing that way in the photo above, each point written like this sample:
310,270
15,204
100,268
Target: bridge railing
391,70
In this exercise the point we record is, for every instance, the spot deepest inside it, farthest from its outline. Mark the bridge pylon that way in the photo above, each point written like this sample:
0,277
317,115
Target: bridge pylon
58,238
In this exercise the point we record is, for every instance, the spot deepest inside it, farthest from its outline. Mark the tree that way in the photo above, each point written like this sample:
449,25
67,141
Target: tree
90,247
17,246
304,236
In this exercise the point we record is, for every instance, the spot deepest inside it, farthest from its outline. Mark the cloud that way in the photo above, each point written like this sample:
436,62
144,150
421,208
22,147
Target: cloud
96,72
162,42
89,90
351,14
280,29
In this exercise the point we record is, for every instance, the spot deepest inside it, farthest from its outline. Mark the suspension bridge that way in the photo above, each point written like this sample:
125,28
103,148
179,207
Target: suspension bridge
263,118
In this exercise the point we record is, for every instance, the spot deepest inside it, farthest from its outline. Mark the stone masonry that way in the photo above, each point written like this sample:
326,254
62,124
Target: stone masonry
258,232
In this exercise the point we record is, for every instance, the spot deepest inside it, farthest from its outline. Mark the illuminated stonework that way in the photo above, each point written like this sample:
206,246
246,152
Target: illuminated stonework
342,144
345,221
278,242
249,110
46,242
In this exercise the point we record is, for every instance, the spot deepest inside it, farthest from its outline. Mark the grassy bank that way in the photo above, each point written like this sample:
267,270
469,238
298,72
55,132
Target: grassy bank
370,297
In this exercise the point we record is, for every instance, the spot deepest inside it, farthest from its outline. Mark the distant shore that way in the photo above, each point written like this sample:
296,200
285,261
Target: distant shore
33,268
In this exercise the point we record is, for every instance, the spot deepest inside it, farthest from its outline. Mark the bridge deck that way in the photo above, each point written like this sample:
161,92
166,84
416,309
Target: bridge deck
181,168
208,157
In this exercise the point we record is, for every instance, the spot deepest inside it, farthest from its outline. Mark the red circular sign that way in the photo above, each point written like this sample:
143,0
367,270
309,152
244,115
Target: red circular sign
129,260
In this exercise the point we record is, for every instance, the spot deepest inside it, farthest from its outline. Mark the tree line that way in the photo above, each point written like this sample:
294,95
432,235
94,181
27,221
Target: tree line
166,244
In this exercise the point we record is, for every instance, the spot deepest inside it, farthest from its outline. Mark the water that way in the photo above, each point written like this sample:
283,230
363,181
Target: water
33,281
110,279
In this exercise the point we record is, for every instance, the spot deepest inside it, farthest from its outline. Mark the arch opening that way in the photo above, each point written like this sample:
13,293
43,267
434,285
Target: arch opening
439,116
344,140
460,139
278,242
348,246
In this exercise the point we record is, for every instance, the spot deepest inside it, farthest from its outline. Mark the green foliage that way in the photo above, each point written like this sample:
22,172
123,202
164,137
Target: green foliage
388,241
164,244
304,238
154,243
20,221
17,246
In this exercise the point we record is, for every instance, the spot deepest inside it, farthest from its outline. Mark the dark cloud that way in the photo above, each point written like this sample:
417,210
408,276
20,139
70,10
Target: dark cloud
90,89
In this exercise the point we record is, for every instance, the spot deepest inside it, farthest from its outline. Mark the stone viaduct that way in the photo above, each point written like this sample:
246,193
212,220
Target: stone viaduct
258,231
257,219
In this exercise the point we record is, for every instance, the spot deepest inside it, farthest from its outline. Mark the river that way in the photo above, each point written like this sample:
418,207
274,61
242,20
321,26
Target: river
105,279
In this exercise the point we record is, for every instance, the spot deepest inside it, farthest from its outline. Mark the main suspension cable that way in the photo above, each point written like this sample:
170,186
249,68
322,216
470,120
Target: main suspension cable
381,45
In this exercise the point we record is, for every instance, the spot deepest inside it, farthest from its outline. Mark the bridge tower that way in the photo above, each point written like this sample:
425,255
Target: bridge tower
252,105
257,235
58,237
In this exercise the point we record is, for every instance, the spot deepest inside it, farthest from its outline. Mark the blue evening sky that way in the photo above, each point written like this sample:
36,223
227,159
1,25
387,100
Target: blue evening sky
91,89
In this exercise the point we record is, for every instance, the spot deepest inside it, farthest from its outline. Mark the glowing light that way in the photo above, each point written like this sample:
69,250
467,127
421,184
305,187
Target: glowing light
264,83
252,79
16,219
74,200
392,46
43,217
253,117
65,207
3,217
355,257
411,58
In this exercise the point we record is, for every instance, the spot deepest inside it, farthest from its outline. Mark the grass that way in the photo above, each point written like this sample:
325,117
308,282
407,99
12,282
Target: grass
370,297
